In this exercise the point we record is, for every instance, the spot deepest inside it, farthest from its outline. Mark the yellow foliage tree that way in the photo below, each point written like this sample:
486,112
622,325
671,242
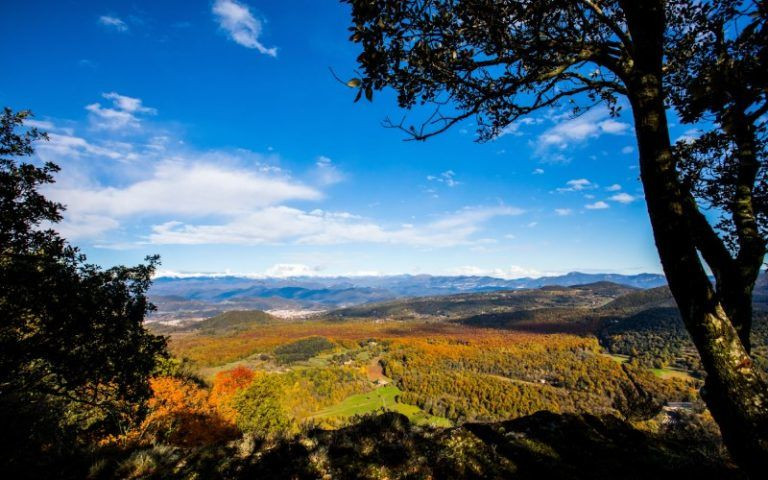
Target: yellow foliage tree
225,385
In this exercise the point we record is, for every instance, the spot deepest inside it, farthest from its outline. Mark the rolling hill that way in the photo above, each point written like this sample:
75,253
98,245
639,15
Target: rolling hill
659,297
499,302
206,296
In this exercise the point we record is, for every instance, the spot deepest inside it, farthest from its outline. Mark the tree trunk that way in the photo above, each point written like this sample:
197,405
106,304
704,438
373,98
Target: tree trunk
737,302
735,392
738,295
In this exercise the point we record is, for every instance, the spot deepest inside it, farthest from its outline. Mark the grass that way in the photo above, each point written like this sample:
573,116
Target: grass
662,373
254,362
381,398
617,358
671,373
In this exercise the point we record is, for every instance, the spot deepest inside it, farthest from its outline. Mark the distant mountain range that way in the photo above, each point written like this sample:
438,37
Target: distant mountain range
206,296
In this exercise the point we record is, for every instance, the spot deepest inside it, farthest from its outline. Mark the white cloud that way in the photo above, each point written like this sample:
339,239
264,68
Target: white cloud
326,173
128,104
599,205
279,270
514,128
41,124
613,188
622,198
113,22
447,178
512,272
538,171
285,270
47,126
245,29
577,185
150,188
689,135
111,119
179,187
122,114
63,146
85,226
282,225
613,127
628,149
591,124
563,212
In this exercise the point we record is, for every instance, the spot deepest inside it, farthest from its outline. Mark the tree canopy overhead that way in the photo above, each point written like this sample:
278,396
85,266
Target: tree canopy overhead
494,61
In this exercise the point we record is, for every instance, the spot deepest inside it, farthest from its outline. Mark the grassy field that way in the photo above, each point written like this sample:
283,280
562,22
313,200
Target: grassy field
671,373
663,373
381,398
255,362
617,358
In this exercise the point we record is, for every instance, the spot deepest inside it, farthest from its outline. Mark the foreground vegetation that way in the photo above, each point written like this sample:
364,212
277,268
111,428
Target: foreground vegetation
544,445
75,356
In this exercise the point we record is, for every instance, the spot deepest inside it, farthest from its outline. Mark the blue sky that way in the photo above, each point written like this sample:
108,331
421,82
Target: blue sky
212,133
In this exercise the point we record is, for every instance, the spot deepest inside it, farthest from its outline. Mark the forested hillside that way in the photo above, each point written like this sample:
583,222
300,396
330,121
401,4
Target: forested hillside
460,306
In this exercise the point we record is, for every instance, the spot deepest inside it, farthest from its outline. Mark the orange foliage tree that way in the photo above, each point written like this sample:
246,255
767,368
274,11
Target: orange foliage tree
225,385
180,414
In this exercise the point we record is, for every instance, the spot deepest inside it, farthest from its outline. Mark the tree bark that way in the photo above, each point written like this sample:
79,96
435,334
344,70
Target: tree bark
735,392
738,297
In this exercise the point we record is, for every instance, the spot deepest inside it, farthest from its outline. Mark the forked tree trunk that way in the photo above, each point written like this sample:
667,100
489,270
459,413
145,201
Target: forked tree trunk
738,300
734,391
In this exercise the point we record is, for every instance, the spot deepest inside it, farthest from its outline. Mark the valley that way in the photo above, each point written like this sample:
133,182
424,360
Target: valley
600,348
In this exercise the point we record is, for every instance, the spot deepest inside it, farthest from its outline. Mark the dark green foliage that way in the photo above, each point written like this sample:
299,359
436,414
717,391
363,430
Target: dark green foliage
179,368
657,338
719,75
605,289
303,349
462,305
74,354
654,337
541,320
641,300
